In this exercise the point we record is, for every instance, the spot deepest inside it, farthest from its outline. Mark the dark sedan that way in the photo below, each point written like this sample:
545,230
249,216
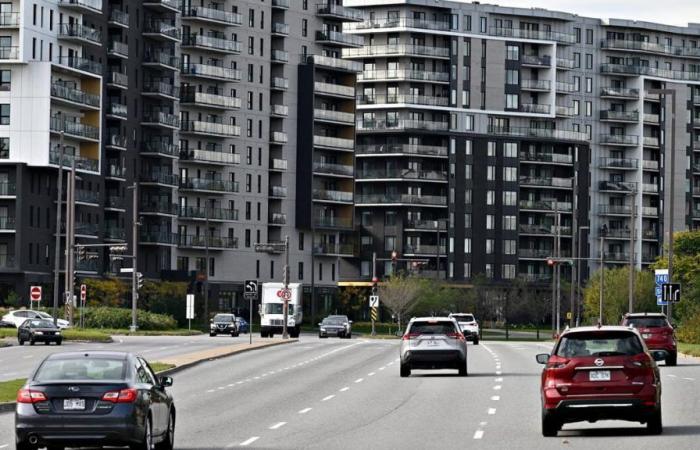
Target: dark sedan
95,399
339,326
39,330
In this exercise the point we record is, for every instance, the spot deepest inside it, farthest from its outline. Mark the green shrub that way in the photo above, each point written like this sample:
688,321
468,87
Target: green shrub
689,331
120,318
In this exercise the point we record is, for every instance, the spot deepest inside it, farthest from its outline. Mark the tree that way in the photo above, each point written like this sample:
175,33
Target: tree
615,294
399,294
105,291
165,297
352,300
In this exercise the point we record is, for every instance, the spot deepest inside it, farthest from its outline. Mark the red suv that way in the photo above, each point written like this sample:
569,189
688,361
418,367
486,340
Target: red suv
600,373
656,332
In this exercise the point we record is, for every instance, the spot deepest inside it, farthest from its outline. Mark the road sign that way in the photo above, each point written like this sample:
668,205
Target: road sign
83,292
250,288
569,315
373,301
671,292
189,308
374,313
661,277
35,293
126,270
284,294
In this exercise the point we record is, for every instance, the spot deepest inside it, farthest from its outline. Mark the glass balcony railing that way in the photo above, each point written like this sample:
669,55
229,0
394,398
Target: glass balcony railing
650,141
331,9
332,222
339,38
117,110
278,164
404,174
118,79
280,28
70,94
546,205
546,181
211,14
212,43
210,100
114,202
214,128
277,219
543,35
163,27
619,139
334,116
535,60
211,71
333,168
218,214
161,88
279,110
281,4
404,74
334,89
160,147
619,163
278,191
397,49
407,149
198,241
81,163
119,17
619,92
556,158
157,177
620,116
8,188
534,108
279,56
333,196
334,142
74,128
538,133
118,48
9,52
90,6
634,70
114,139
427,100
279,83
401,124
209,156
115,234
204,184
9,19
170,5
333,63
154,206
381,199
75,62
158,237
536,85
162,58
278,137
79,31
400,22
617,186
161,118
614,209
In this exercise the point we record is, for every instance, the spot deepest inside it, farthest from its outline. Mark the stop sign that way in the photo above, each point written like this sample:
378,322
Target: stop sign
35,293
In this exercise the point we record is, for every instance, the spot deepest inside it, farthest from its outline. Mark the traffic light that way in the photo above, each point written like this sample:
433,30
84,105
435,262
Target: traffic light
551,262
139,280
82,252
374,285
285,275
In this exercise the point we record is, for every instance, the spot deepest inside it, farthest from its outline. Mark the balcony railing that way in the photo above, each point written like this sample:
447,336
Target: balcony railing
338,37
617,186
279,56
119,48
277,218
278,191
161,57
408,149
333,196
333,169
408,174
163,27
546,181
204,184
114,202
212,43
279,110
547,157
423,249
79,31
324,248
118,79
404,74
338,11
281,4
114,139
64,92
117,109
119,17
161,118
651,188
618,92
81,163
158,207
546,205
210,156
210,100
332,222
652,118
219,129
397,49
333,63
334,116
211,14
116,170
651,47
539,85
160,147
619,139
206,241
426,224
650,141
536,60
565,87
334,89
431,200
278,137
156,177
278,164
615,209
210,71
9,19
542,35
621,116
534,108
539,133
94,6
74,128
8,188
400,22
648,164
195,212
619,163
334,142
159,87
623,69
85,196
74,62
429,100
402,124
280,28
279,83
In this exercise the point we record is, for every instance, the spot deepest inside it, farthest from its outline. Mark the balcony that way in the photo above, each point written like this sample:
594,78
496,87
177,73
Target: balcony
614,210
332,222
214,44
161,58
280,29
72,62
279,110
115,234
280,4
277,219
278,191
339,39
536,85
543,229
651,119
118,18
617,186
158,237
210,128
115,202
325,168
157,147
172,6
82,6
537,278
650,47
77,32
278,137
426,225
535,253
332,196
554,158
336,90
211,15
159,178
401,125
536,61
74,96
538,133
408,199
160,119
615,233
118,80
404,74
402,149
397,50
214,214
211,242
401,174
160,89
534,108
428,100
619,116
624,140
115,141
328,249
565,183
118,49
546,205
278,164
636,70
653,165
335,143
650,141
116,111
115,170
279,56
206,100
564,111
158,207
565,88
340,117
334,11
424,249
9,19
329,62
8,189
210,157
650,188
618,92
522,33
162,30
74,129
205,184
81,163
619,163
279,83
211,72
400,22
565,63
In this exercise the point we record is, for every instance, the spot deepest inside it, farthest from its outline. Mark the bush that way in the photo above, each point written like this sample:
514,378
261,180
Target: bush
689,331
120,318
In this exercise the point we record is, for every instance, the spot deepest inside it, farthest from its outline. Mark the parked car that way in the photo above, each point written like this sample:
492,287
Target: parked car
468,325
93,399
600,373
433,343
18,317
39,330
4,324
339,326
243,325
223,324
657,333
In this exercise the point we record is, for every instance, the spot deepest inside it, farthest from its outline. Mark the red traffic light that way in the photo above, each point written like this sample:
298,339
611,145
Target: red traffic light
551,262
375,280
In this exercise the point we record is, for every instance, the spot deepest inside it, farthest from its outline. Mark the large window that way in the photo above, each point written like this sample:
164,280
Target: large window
513,53
5,148
5,114
512,101
513,77
5,79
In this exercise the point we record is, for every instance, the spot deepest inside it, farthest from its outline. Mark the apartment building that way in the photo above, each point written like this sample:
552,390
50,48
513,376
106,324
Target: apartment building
490,139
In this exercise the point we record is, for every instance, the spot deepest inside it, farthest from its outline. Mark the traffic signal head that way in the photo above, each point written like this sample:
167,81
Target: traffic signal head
551,262
394,255
139,280
82,252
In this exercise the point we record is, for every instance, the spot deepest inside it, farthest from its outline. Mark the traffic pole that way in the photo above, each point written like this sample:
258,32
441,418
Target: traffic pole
285,303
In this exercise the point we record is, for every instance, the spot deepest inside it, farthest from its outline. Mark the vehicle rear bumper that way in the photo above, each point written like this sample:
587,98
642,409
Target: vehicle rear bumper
634,410
665,346
433,359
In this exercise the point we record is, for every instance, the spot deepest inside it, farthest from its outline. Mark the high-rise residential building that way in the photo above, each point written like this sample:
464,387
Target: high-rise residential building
490,139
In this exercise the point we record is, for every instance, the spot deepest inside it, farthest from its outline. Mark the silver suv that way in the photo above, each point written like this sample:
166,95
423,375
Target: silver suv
433,343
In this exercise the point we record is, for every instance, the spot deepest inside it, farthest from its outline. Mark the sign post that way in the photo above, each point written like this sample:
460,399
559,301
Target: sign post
250,291
374,310
83,300
35,295
189,310
661,278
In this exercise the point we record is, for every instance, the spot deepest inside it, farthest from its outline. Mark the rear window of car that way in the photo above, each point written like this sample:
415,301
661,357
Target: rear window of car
599,343
463,317
81,369
430,327
647,322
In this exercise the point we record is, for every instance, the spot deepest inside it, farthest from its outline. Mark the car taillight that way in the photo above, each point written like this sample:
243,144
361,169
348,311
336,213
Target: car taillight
556,362
409,336
123,396
455,335
29,396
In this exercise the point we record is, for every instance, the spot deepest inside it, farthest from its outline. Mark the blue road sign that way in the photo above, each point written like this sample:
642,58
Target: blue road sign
661,278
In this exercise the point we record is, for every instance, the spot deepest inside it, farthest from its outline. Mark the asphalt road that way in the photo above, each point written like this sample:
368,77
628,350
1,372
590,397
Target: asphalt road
347,394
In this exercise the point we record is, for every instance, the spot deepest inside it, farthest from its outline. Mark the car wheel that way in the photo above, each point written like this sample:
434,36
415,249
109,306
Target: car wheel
59,342
23,446
54,447
31,342
405,370
168,442
348,336
655,425
476,341
147,442
672,359
21,341
47,342
550,424
235,334
463,369
212,334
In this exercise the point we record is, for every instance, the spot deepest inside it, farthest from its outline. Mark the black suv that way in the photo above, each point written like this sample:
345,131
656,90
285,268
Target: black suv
223,324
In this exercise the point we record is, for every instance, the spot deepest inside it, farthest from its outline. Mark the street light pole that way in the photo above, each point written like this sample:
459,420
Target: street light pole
578,273
134,243
630,294
59,218
206,263
285,334
437,251
602,270
70,243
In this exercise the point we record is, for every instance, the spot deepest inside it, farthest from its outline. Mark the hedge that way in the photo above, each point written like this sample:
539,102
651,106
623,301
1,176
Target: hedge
120,318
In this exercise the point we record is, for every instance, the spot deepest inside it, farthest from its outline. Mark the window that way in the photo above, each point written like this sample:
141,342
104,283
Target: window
467,245
577,107
490,221
389,243
305,4
320,271
304,27
5,148
589,37
5,80
491,149
272,269
577,84
468,197
467,270
467,23
513,77
249,102
5,114
257,266
248,207
589,109
249,155
589,61
251,18
248,183
589,131
467,171
301,241
33,48
251,45
34,14
301,270
247,242
249,127
490,244
465,99
251,76
510,223
508,271
491,173
577,60
467,220
482,24
512,101
509,247
510,174
512,53
589,85
577,33
510,198
510,150
490,197
469,126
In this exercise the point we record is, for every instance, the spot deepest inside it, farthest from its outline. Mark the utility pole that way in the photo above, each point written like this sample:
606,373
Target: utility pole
206,263
59,219
578,273
574,253
630,294
134,243
602,270
437,251
557,268
70,243
285,334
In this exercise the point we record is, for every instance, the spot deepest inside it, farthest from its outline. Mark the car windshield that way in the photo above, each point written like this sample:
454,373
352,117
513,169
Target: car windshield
432,327
599,343
277,308
40,324
333,321
43,315
463,317
81,369
223,318
647,322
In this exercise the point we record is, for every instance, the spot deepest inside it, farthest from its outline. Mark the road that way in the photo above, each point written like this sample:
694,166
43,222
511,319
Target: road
347,394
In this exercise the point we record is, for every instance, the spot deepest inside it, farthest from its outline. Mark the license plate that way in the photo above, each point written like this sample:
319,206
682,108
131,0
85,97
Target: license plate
646,335
73,404
432,343
599,375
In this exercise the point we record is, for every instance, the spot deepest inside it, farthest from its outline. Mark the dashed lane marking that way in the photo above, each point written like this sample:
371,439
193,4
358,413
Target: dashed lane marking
278,425
498,380
344,389
492,411
325,399
689,379
370,374
672,376
304,411
495,398
359,380
479,434
249,441
497,387
4,446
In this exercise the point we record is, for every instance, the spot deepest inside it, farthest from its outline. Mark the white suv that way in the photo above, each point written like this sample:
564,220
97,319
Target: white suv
18,317
468,325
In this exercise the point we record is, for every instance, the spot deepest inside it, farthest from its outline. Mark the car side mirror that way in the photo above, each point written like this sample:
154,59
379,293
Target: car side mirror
658,355
166,382
542,358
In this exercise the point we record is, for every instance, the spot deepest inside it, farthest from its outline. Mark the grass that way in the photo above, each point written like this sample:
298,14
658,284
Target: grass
125,332
73,334
689,349
8,389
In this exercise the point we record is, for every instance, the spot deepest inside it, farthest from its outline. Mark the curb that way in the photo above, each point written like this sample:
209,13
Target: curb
7,407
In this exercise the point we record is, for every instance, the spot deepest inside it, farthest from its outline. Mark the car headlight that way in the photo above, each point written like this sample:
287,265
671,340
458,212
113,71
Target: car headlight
212,326
323,329
58,333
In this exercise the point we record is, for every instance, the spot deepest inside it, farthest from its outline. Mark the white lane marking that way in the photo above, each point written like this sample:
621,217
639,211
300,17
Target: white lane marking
239,382
497,387
231,385
28,357
344,389
381,368
4,445
286,368
249,441
689,379
256,378
278,425
496,398
482,424
370,374
210,390
304,411
498,380
479,434
324,399
492,411
359,380
672,376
